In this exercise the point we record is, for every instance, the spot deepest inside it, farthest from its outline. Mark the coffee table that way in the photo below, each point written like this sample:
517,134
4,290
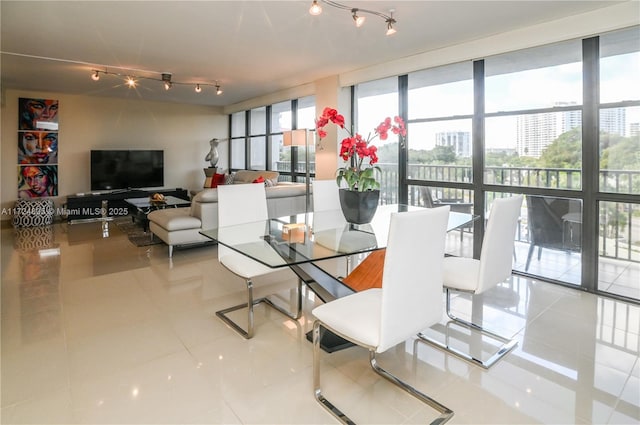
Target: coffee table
144,206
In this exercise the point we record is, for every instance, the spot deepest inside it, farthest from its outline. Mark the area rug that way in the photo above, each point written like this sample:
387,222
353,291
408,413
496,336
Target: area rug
136,234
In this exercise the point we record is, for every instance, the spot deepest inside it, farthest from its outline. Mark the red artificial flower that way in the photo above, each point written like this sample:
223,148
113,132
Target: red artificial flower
321,122
356,149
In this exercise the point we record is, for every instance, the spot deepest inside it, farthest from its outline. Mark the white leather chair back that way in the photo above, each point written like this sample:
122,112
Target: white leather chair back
325,195
412,275
240,204
498,243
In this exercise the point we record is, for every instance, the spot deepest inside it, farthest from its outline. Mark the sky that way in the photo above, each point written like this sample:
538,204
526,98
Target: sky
529,89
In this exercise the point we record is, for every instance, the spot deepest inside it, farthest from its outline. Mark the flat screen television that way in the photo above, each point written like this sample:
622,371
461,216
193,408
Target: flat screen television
126,169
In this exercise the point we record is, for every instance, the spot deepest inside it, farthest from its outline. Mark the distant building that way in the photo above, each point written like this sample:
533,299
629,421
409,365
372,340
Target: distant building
634,129
613,121
537,131
460,141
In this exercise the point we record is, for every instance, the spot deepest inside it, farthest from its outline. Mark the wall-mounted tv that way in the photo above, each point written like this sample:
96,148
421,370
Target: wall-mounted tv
126,169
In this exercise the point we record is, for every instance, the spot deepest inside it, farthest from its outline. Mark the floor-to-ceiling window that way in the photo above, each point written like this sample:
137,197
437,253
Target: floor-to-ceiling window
439,142
619,163
305,118
533,140
374,101
256,138
238,140
558,123
280,121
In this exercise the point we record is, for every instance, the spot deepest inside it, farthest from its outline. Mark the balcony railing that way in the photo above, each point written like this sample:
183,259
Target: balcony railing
617,236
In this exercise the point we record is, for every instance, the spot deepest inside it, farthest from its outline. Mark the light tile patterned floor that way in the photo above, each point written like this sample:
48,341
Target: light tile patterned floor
96,331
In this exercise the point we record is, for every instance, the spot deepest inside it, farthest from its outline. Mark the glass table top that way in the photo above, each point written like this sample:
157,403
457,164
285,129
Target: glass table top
303,238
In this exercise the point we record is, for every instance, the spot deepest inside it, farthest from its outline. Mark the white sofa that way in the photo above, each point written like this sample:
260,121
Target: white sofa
181,226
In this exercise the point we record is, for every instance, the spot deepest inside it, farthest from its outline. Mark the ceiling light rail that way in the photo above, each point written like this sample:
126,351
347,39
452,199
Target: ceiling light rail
356,13
131,80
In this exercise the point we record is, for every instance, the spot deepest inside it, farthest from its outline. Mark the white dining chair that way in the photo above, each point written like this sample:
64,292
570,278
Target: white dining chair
325,195
233,209
477,276
408,302
327,212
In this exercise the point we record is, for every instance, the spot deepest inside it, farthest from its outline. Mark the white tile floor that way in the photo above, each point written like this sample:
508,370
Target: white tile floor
105,332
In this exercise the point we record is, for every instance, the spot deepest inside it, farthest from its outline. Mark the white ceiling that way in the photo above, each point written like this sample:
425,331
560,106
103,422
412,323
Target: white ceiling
252,48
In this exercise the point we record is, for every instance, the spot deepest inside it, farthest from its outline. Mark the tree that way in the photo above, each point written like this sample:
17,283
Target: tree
564,152
442,155
622,153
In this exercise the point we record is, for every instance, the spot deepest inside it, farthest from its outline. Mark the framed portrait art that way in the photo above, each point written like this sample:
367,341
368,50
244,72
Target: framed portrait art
37,148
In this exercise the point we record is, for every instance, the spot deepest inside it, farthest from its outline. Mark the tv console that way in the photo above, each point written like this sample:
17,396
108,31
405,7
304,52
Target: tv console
106,206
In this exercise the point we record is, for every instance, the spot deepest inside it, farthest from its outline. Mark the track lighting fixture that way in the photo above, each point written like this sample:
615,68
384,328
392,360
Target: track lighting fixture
165,77
359,20
315,8
390,29
356,13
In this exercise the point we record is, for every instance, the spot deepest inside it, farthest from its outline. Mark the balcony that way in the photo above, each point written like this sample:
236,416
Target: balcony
619,229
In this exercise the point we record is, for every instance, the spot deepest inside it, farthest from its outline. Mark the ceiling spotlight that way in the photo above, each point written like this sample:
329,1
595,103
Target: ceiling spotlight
95,76
315,8
218,90
166,77
198,88
359,20
130,82
390,29
390,21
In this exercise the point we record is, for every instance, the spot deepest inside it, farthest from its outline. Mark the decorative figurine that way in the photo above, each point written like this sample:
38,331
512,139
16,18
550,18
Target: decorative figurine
213,156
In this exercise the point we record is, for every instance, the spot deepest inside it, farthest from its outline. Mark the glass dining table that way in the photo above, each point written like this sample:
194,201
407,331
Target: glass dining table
299,241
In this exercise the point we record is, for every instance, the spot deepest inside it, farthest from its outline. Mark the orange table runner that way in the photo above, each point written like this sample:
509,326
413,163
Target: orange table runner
368,274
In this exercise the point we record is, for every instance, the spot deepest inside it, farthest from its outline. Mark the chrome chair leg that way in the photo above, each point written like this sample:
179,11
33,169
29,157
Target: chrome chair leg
337,413
445,413
248,333
506,347
293,316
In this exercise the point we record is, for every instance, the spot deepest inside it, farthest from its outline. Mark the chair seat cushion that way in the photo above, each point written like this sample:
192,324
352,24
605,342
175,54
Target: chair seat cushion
243,266
173,219
356,315
461,273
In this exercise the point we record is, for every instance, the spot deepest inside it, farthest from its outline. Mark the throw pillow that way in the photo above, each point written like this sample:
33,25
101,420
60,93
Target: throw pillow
259,180
229,178
217,180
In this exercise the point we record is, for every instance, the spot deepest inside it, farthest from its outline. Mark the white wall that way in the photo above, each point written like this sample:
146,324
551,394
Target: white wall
182,131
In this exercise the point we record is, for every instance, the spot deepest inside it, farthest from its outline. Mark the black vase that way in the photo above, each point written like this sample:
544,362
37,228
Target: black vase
359,207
